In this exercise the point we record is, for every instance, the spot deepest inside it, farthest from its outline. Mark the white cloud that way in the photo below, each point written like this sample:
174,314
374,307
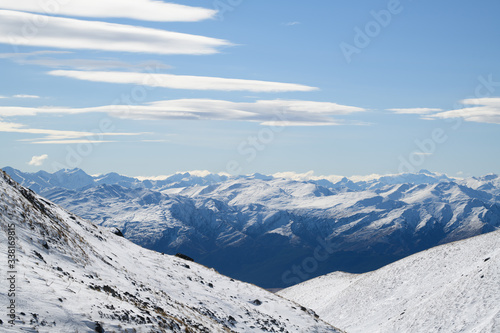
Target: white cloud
415,110
306,176
199,173
65,142
182,81
22,96
23,55
57,136
83,64
292,23
483,110
421,153
36,58
146,10
266,112
17,28
92,64
26,96
283,123
38,160
157,140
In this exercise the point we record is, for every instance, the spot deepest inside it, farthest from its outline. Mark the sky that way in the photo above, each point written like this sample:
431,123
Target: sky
148,88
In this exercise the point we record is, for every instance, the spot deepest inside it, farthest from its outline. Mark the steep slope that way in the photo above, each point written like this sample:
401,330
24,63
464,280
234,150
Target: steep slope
70,275
450,288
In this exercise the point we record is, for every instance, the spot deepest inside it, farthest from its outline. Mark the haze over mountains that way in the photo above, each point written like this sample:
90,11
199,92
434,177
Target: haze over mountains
274,231
70,275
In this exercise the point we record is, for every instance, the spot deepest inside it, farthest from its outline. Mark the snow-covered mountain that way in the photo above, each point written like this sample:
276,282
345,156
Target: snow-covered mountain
77,178
450,288
72,179
275,232
70,275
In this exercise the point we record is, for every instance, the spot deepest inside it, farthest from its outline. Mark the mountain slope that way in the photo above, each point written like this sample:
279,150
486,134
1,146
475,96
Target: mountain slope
450,288
71,275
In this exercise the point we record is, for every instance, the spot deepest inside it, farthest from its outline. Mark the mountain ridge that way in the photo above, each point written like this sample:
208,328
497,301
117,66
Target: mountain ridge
44,179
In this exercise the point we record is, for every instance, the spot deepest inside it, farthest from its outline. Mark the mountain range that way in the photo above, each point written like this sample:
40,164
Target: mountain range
66,274
274,231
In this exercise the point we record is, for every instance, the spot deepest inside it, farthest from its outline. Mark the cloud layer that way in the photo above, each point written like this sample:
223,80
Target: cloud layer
47,59
483,110
182,81
146,10
18,28
26,96
23,96
266,112
57,136
415,110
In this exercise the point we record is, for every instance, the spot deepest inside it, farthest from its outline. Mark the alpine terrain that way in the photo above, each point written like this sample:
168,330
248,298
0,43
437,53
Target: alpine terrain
450,288
277,231
68,275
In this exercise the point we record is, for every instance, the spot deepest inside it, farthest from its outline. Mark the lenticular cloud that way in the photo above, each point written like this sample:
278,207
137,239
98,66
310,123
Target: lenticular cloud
25,29
146,10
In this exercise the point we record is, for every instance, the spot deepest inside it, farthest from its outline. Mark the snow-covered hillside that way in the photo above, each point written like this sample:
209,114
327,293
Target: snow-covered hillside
70,275
257,228
450,288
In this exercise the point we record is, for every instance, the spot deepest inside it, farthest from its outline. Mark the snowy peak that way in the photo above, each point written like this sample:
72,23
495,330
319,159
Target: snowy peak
64,178
71,275
72,179
425,172
115,179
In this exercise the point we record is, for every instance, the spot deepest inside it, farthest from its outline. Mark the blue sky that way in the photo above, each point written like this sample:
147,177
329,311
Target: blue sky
240,86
